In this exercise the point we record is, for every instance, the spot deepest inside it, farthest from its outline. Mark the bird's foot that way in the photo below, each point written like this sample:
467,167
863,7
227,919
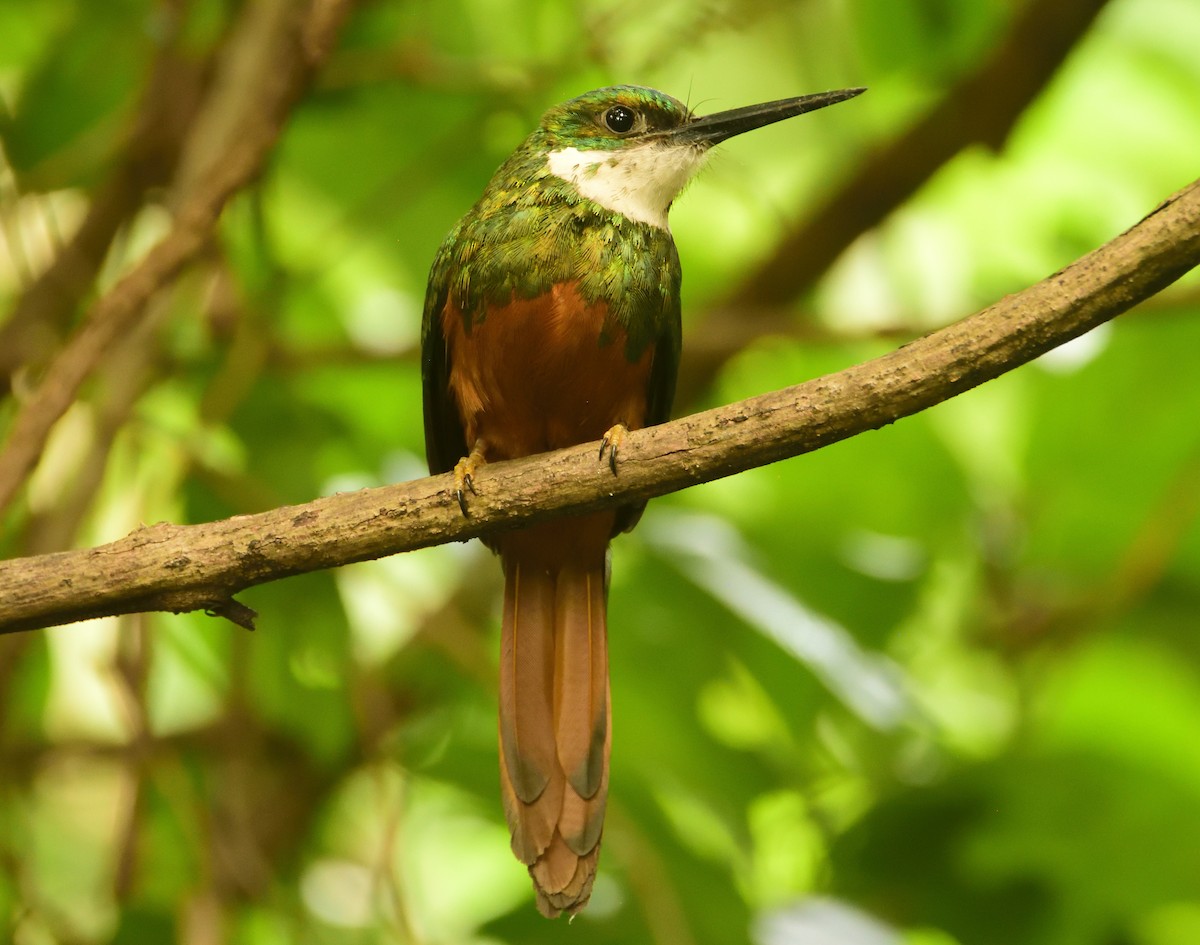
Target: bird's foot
464,476
612,444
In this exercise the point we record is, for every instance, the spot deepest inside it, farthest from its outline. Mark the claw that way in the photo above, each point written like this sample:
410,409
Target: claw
464,476
612,444
460,493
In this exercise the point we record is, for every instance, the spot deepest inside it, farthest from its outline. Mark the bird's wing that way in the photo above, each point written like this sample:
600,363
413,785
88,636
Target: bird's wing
660,388
660,393
445,442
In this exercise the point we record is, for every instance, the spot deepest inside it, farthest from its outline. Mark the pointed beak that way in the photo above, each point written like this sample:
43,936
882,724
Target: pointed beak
713,129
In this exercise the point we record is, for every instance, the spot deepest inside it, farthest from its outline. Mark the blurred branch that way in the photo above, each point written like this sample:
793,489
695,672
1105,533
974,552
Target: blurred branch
265,787
298,44
982,109
650,880
122,379
131,670
1156,543
1030,614
178,568
171,96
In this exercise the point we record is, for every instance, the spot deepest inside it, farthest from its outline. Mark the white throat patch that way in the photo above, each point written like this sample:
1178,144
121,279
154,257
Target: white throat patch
638,183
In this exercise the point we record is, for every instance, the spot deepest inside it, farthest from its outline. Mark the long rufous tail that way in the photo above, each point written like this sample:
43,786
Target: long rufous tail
554,704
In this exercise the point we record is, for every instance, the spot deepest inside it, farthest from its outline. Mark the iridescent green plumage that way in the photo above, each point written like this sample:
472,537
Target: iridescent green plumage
529,233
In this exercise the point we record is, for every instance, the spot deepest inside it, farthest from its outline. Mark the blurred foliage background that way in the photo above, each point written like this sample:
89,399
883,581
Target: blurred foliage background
937,685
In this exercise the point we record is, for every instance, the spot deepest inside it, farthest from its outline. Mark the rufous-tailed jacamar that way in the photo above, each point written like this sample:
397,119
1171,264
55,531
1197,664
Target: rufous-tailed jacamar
552,319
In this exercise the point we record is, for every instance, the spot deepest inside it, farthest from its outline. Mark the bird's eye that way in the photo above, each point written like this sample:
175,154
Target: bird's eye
619,119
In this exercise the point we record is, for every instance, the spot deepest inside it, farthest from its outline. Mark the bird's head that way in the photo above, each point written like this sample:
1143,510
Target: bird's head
633,149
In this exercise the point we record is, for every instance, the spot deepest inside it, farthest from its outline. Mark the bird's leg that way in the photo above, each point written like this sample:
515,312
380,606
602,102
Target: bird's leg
612,443
464,474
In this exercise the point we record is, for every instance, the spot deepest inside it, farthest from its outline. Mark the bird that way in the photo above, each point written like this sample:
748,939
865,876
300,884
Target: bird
552,319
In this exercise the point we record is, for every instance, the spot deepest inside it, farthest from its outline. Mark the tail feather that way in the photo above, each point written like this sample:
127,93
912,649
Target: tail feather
554,709
526,678
532,826
557,890
581,678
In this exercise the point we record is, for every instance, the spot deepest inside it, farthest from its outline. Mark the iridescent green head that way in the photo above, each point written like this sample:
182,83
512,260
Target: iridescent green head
611,118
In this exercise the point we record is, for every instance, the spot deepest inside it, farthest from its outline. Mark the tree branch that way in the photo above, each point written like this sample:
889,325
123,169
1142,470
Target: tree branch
177,568
302,40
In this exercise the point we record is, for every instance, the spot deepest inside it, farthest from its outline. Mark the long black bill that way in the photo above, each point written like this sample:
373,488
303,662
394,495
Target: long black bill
713,129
